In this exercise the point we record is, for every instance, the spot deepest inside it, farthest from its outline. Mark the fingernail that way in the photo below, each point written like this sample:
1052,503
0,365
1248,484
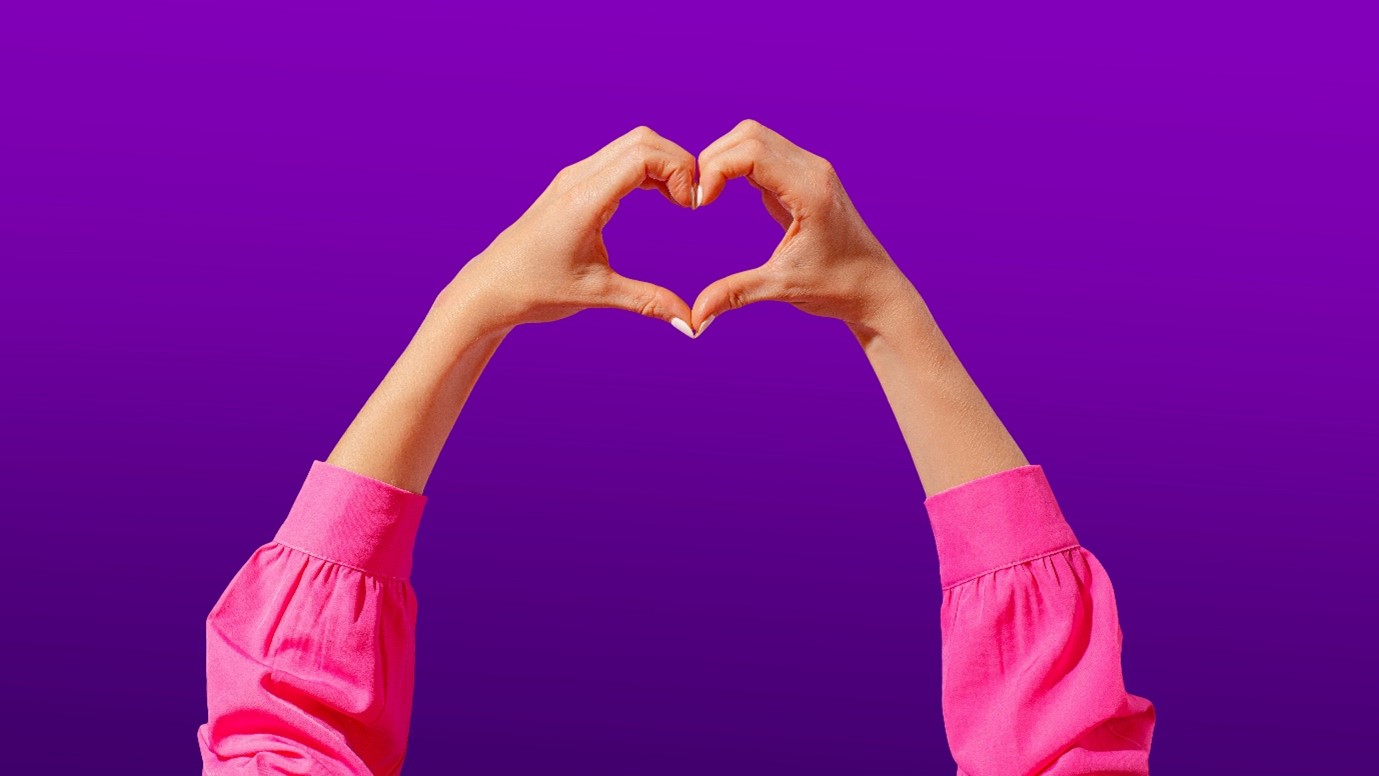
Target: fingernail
705,325
682,327
698,194
694,198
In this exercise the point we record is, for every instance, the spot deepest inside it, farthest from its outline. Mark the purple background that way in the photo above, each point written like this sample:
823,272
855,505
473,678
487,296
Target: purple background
1149,231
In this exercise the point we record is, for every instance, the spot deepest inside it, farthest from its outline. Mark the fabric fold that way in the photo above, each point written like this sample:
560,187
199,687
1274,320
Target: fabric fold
354,520
996,521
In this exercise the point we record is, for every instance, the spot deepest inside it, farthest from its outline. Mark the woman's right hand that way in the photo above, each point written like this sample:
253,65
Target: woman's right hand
552,262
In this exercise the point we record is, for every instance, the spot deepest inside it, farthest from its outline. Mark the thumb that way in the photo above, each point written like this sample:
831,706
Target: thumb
648,299
730,293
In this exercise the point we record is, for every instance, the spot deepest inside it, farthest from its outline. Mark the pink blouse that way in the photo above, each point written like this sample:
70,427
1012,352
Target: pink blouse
309,651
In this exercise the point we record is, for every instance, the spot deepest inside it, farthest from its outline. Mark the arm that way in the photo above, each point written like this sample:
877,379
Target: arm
1031,641
310,649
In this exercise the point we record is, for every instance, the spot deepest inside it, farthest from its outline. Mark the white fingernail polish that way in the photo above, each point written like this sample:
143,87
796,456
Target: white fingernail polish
682,327
705,325
698,194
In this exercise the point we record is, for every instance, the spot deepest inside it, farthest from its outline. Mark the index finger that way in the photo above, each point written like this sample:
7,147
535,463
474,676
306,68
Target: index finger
634,160
759,154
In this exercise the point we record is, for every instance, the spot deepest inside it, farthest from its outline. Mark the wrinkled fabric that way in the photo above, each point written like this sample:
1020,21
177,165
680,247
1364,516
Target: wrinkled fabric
1031,639
310,650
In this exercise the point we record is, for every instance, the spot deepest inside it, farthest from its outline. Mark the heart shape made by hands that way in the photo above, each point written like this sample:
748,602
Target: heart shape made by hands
827,260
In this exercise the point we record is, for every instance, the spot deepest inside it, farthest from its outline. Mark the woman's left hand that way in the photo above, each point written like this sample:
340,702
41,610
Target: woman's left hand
828,263
552,262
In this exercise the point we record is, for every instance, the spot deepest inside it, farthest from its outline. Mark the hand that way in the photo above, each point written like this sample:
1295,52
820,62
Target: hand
828,263
552,262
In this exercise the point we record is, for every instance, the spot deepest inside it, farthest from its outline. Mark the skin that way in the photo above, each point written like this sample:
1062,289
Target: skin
829,264
552,263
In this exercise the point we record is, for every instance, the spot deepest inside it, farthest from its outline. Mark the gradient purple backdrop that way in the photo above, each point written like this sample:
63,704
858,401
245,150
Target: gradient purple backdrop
1150,232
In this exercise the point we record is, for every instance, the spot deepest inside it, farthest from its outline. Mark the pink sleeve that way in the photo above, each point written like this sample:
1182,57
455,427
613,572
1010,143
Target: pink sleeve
1031,642
309,651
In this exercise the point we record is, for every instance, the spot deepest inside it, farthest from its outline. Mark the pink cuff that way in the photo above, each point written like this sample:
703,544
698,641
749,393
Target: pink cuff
353,520
994,522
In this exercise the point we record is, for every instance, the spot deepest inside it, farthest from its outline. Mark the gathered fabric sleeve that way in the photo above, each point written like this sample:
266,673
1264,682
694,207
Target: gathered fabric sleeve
1031,640
310,650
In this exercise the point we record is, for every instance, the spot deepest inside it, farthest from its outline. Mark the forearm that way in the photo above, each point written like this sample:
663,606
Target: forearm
1031,643
1031,637
953,434
398,435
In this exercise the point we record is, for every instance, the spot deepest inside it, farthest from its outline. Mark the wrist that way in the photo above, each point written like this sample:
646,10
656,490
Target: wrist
471,310
902,322
892,305
455,326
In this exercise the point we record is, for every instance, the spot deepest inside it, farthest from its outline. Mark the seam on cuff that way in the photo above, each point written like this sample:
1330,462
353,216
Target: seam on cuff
1009,566
980,480
341,564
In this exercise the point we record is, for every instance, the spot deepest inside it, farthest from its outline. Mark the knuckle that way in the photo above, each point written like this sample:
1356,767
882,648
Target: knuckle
732,299
648,303
574,194
735,295
750,127
641,135
754,146
827,185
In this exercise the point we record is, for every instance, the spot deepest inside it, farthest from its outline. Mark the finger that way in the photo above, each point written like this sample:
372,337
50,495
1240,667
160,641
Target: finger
647,299
749,151
652,184
639,157
745,129
731,293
